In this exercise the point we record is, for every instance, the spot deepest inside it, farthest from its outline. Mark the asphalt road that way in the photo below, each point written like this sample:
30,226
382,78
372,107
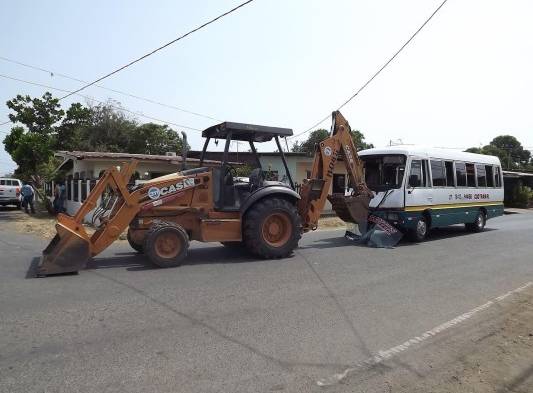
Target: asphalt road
225,322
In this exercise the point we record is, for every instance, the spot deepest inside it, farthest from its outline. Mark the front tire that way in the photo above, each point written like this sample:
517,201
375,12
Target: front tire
166,244
272,228
420,232
479,224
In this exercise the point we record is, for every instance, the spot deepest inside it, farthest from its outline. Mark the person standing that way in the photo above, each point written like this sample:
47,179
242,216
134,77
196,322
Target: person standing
57,196
62,197
28,195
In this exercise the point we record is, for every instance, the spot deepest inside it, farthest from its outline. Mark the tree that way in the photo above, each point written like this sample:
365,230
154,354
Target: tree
70,133
315,137
42,127
509,150
28,150
151,138
37,114
308,146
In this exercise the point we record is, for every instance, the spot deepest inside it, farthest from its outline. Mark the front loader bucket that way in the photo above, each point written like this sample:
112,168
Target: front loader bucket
350,208
68,252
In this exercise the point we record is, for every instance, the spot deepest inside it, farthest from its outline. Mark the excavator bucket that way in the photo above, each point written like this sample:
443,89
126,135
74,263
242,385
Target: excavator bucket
68,252
352,209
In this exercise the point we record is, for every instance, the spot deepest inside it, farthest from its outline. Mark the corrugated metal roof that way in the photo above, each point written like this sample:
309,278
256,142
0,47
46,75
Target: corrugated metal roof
517,174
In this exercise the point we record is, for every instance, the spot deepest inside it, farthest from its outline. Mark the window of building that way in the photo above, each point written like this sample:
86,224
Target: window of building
76,186
470,175
339,181
489,170
437,173
68,184
481,175
83,190
460,174
450,180
497,177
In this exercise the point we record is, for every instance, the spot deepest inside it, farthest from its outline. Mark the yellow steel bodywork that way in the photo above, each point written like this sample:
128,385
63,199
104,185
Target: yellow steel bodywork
190,207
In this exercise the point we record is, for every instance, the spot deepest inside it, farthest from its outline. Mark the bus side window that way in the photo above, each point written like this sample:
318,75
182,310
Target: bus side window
416,178
470,175
437,173
426,181
498,177
450,179
490,175
460,174
481,175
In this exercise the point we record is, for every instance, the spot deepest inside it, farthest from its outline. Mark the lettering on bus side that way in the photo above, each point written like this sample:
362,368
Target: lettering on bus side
482,196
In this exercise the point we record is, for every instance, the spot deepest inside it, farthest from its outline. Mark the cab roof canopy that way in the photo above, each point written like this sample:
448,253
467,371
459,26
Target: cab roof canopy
245,132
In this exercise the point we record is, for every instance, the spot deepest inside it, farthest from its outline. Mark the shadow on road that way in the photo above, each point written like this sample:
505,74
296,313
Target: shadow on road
134,261
435,235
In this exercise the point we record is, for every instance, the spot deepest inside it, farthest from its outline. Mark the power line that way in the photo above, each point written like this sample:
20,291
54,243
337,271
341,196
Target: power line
157,49
378,71
54,73
93,99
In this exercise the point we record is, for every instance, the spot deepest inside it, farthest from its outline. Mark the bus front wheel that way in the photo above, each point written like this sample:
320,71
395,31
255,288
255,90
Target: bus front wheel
420,231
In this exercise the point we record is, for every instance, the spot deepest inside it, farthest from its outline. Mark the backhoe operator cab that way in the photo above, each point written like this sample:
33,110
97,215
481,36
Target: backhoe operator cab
232,194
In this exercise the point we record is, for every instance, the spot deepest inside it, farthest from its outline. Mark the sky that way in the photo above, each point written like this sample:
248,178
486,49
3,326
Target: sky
466,78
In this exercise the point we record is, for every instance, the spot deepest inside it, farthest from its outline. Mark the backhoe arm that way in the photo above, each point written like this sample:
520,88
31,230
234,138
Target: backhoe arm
315,190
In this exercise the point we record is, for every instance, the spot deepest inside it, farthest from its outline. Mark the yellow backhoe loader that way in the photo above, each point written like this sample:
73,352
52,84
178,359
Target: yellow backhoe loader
207,204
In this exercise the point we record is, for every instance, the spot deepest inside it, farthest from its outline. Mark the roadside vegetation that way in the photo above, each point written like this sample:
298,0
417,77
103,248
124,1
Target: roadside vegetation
41,127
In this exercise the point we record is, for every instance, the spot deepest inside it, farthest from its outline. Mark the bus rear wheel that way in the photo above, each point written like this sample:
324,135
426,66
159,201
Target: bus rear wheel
479,223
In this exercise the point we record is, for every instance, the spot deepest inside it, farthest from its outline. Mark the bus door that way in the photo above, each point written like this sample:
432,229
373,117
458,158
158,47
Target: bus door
418,191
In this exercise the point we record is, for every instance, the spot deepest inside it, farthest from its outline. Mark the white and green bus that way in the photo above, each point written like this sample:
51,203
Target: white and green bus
421,188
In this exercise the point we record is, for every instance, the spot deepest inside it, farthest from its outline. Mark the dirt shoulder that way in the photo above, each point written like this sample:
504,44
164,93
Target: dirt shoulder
40,224
491,354
43,224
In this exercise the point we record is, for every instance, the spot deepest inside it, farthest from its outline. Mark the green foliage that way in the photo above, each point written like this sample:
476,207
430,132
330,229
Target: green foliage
522,196
316,136
37,114
508,149
153,138
243,170
308,146
42,127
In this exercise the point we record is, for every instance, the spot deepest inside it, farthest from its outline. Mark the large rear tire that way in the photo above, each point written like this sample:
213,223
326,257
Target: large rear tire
272,228
166,244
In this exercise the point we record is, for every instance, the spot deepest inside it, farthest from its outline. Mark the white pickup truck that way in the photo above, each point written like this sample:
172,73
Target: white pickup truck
10,192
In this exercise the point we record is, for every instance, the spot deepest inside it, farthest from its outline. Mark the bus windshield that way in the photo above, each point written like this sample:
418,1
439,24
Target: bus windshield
384,172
